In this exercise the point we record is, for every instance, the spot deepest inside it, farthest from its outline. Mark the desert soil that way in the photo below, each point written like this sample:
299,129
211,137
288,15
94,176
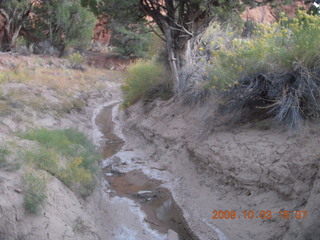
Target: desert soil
253,167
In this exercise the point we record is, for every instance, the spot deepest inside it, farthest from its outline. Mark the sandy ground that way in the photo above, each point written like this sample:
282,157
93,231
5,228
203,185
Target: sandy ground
245,168
64,213
43,92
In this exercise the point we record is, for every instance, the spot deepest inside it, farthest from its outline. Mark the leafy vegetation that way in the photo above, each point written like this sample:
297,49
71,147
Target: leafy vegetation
58,24
64,24
146,79
76,60
79,226
66,154
130,39
173,19
35,192
4,152
273,74
16,13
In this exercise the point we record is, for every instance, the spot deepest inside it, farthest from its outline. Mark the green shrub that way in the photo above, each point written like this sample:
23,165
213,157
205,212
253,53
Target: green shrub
79,226
78,177
35,192
45,159
146,79
69,25
66,154
2,77
274,74
76,61
130,39
3,155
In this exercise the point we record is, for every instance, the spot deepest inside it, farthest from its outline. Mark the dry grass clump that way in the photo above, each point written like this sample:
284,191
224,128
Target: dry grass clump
146,79
275,73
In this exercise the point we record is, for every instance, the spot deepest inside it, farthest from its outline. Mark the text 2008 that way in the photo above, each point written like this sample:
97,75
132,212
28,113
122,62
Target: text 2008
263,214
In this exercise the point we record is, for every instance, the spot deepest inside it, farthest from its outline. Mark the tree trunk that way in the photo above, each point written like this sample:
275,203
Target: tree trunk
5,40
185,63
13,23
179,58
171,55
14,37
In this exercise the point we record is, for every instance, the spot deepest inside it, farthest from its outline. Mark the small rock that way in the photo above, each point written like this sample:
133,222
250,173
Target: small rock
109,174
17,190
146,195
116,172
172,235
116,160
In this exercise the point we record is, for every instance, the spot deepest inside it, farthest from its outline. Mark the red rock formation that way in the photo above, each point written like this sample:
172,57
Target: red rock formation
101,33
266,14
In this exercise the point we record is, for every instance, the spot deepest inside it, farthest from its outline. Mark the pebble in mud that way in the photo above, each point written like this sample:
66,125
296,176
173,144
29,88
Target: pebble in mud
172,235
145,195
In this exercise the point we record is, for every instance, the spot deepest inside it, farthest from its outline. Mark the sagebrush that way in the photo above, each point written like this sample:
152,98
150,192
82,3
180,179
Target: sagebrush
275,73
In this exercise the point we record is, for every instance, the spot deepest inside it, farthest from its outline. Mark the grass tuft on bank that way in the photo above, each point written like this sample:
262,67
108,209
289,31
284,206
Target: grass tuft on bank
146,79
66,154
35,191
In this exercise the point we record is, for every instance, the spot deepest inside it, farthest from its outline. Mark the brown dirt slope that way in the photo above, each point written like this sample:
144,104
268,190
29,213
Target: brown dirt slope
249,167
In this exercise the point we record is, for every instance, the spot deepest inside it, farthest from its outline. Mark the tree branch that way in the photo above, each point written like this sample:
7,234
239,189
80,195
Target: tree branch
155,32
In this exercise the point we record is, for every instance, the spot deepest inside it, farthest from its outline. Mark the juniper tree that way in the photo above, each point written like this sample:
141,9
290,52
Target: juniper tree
61,23
179,23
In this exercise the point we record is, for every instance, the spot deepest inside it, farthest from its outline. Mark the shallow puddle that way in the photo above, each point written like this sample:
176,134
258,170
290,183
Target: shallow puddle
162,213
113,143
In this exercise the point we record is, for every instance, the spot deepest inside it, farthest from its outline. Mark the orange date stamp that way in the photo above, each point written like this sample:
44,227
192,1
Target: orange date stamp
266,214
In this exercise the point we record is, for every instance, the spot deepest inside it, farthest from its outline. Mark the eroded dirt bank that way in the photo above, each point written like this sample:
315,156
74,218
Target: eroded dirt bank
245,168
44,93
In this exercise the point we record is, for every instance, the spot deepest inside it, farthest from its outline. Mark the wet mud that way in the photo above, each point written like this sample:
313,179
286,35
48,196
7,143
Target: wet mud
161,211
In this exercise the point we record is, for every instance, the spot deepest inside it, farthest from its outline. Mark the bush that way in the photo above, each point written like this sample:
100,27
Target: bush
146,79
274,74
35,189
63,24
3,154
131,39
66,154
76,61
45,159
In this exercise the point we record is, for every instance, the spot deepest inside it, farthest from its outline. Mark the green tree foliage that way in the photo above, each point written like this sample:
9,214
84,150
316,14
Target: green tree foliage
130,34
16,14
62,23
179,23
130,39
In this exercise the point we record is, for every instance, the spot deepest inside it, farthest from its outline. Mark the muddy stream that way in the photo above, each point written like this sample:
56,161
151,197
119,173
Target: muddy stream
161,211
